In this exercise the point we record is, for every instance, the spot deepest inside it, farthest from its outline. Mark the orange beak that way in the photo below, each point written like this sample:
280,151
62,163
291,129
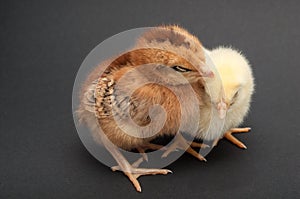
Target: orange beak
222,109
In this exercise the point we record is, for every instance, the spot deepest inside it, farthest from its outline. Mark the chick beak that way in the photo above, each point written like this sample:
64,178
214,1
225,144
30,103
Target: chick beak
208,74
222,109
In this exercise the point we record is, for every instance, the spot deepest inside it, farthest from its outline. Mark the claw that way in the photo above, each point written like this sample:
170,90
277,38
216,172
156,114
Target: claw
228,135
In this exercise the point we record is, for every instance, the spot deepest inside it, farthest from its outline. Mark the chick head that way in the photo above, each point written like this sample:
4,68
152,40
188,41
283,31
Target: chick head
236,75
177,40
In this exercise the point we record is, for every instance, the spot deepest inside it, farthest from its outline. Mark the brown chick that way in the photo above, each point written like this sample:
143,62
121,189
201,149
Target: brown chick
111,102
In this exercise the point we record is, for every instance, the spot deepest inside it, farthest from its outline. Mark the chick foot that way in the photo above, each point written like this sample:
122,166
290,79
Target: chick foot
132,172
181,143
228,135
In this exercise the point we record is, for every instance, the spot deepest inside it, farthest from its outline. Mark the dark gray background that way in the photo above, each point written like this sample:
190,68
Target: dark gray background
42,47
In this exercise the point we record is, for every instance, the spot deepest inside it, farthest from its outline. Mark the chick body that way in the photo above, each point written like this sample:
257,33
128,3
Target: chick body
238,84
169,50
108,104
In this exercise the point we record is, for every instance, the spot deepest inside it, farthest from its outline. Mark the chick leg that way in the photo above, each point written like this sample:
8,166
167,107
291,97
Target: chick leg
142,149
131,171
228,135
181,143
215,143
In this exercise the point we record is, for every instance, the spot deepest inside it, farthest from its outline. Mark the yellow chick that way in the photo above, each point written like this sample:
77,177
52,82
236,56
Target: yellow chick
226,102
238,84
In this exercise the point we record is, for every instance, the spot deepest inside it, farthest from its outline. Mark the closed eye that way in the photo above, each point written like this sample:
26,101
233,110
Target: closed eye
234,98
235,95
181,69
